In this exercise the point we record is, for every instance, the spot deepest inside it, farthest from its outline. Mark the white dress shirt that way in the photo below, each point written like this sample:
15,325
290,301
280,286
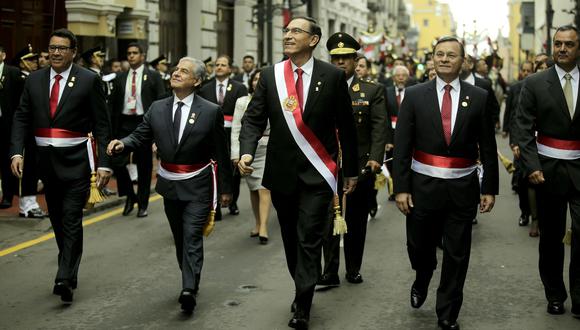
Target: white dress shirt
1,69
349,81
455,90
187,101
307,69
574,81
62,82
217,88
401,93
138,81
470,79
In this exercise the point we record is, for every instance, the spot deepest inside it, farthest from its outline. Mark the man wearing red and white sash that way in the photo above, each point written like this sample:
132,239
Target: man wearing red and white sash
443,127
190,137
549,106
60,105
308,106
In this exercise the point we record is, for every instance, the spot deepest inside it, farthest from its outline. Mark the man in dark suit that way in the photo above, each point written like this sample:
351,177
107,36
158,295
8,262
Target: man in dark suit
468,75
190,139
10,91
370,115
133,93
248,68
60,125
442,129
549,106
94,59
301,168
224,92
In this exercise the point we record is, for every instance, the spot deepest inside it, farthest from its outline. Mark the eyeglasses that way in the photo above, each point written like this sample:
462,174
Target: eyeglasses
294,31
54,48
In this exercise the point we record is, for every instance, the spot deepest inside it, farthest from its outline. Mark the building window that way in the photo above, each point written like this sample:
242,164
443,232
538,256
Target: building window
342,27
425,22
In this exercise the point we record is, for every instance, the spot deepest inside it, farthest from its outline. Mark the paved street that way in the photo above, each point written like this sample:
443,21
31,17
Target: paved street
129,278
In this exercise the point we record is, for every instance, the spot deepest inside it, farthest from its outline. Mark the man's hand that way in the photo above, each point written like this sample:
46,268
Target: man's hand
244,164
486,203
389,146
516,151
103,177
16,166
115,147
349,185
154,148
404,202
536,177
375,166
235,162
225,199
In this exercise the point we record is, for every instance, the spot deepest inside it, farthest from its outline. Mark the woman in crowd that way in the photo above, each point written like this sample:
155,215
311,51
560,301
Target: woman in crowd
259,196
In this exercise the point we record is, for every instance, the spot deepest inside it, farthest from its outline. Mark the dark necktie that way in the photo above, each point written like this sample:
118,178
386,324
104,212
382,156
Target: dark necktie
221,95
54,95
299,88
446,114
400,90
177,121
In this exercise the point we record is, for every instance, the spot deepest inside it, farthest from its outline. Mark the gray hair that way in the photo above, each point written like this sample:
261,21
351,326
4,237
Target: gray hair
198,66
401,67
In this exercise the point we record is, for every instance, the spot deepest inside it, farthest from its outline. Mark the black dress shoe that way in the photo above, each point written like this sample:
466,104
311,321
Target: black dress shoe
575,311
373,212
556,308
299,321
448,325
293,307
36,213
328,281
129,205
187,300
218,214
474,221
263,240
6,203
142,213
392,198
523,220
355,278
417,297
64,290
234,209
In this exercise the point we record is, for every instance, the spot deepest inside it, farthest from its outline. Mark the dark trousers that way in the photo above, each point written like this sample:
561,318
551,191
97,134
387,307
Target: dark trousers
303,217
29,183
520,183
9,181
186,219
237,177
552,210
356,215
424,230
65,201
142,157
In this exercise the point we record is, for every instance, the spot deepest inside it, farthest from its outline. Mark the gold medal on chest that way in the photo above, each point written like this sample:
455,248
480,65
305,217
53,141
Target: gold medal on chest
290,103
356,88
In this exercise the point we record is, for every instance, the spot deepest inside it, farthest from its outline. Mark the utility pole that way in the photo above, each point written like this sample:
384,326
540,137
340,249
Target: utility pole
549,18
269,13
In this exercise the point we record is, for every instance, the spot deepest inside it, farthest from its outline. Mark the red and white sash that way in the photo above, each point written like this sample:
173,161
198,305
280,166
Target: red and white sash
559,149
62,138
442,167
394,122
228,121
306,140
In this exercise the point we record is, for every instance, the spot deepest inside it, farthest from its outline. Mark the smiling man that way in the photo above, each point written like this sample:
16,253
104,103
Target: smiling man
307,103
60,106
191,141
549,106
443,128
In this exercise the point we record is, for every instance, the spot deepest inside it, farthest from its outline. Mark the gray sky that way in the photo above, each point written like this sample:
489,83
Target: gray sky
491,15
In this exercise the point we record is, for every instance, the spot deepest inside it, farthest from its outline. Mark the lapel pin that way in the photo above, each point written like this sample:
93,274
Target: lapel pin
464,104
316,88
71,84
73,78
362,94
192,118
319,83
229,89
145,77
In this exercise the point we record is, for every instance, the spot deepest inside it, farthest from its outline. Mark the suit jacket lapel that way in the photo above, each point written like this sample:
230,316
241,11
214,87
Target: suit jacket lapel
194,109
464,95
168,118
432,103
314,90
68,87
577,109
555,89
45,95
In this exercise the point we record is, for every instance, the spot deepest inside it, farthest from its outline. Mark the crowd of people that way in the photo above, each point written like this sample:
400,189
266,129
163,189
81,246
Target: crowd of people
309,137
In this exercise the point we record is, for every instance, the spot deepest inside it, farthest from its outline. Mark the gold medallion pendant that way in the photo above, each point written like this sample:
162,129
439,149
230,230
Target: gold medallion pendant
290,103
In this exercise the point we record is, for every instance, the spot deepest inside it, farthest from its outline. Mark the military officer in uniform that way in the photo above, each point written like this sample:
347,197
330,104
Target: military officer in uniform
27,61
370,116
161,65
94,59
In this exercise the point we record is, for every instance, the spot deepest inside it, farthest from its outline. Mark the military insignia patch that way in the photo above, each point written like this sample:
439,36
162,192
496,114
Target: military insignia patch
290,104
356,87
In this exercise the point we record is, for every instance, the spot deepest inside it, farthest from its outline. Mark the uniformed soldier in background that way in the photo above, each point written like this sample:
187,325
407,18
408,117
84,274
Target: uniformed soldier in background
370,115
161,65
27,61
94,60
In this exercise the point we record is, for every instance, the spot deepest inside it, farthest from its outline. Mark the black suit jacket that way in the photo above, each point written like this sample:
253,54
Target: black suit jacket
152,89
392,110
234,90
327,108
511,107
419,127
543,109
492,104
201,141
370,116
10,91
82,108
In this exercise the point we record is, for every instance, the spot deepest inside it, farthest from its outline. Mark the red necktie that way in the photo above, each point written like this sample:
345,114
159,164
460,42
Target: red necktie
134,85
446,114
54,95
299,88
400,90
221,95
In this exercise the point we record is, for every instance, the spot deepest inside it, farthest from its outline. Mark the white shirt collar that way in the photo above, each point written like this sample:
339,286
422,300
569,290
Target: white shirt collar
1,66
188,100
470,79
441,84
63,74
225,82
307,68
574,73
139,70
349,81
